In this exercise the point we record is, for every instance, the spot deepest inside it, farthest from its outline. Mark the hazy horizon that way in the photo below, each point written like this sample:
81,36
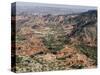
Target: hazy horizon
43,8
56,5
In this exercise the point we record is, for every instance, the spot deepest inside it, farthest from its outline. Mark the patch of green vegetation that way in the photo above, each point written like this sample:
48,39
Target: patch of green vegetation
18,59
20,38
56,38
89,51
77,66
38,64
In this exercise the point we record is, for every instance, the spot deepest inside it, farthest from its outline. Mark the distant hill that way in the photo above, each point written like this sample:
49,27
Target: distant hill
44,9
86,27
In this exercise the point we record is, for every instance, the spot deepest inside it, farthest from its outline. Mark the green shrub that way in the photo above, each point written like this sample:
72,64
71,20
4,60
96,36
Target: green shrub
18,59
77,66
20,38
